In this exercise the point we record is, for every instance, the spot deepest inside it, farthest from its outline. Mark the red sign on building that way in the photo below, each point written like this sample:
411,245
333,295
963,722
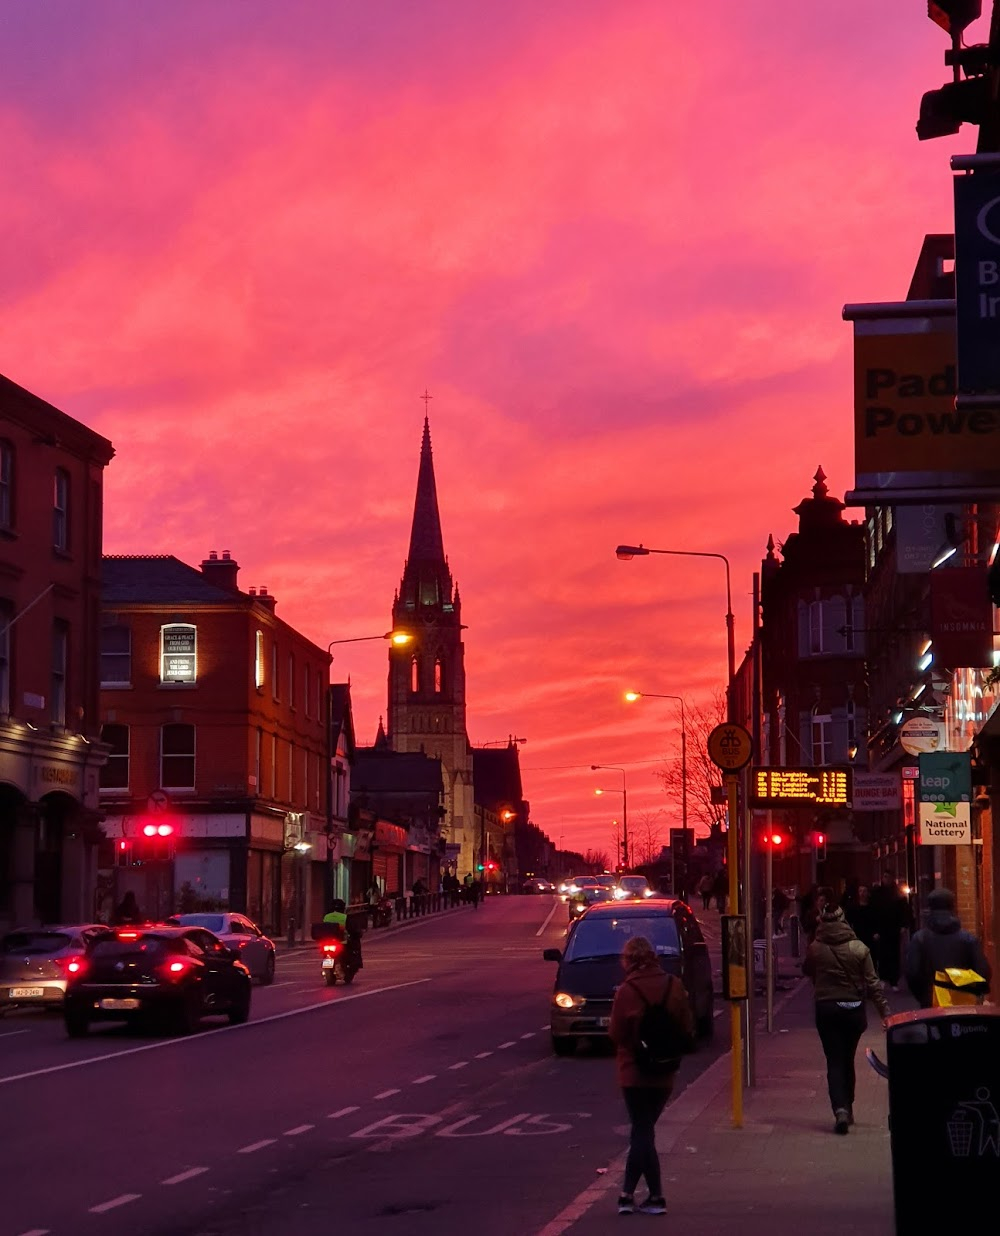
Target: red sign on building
961,618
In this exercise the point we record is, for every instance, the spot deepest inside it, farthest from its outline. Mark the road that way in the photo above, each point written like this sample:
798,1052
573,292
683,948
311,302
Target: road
422,1099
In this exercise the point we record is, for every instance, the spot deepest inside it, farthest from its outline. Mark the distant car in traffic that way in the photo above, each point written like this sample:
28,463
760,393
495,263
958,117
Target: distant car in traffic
585,891
535,884
632,886
590,968
159,976
36,963
237,932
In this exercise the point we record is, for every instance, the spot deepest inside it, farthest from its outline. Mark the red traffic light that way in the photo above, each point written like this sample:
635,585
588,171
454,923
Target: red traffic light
821,839
157,830
774,839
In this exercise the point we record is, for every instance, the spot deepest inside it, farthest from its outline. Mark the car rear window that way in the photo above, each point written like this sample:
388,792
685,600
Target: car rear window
31,943
606,936
211,922
146,944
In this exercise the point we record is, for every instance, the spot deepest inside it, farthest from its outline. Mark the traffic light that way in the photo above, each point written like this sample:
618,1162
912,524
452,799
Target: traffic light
954,15
491,866
944,111
480,867
821,847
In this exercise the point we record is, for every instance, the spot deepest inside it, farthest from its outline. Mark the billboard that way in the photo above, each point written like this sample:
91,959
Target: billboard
977,282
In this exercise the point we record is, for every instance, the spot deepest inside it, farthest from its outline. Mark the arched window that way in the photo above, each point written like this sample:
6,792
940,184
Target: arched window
414,675
438,676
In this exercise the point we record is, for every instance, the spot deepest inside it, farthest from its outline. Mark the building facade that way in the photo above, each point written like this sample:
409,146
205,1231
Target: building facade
51,496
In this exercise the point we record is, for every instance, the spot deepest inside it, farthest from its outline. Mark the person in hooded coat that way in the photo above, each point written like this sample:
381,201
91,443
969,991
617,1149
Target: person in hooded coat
941,945
841,969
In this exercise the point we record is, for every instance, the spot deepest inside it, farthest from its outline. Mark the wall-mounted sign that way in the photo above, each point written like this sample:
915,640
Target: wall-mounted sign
734,957
946,823
178,653
800,787
945,777
730,747
977,282
920,734
921,533
880,791
961,618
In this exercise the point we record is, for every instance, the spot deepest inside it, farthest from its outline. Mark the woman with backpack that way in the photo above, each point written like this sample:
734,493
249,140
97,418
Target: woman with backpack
842,972
651,1027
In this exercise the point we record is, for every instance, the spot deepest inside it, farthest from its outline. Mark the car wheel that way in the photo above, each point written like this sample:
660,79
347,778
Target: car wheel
268,977
331,977
77,1024
563,1046
239,1013
188,1016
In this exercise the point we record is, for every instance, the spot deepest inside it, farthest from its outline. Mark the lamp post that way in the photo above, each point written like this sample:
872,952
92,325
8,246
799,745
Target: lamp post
397,638
632,696
624,794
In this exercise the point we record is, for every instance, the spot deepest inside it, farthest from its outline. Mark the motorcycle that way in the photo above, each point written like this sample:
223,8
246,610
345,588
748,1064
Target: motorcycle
340,954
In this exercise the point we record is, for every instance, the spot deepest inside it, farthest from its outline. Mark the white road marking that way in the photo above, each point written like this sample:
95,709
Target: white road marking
254,1146
509,1043
426,1078
483,1054
37,1231
344,1111
548,920
299,1128
182,1176
529,1035
203,1038
9,1034
122,1200
386,1094
461,1065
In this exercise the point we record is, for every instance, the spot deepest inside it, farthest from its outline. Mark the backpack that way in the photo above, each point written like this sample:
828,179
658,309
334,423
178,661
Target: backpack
661,1039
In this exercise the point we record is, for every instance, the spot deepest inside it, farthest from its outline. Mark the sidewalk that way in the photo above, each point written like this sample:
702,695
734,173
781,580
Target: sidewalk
785,1170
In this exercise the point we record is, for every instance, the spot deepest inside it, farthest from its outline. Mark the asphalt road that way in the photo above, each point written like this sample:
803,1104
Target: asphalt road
422,1099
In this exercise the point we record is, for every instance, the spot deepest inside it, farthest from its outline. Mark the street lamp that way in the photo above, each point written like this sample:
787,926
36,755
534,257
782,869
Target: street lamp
624,794
627,552
632,696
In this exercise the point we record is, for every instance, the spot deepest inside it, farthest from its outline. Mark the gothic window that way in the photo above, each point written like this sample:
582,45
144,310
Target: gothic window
816,627
438,676
414,675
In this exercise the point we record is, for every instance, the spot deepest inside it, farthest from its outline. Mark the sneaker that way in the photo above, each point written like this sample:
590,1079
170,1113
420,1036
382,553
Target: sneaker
626,1204
842,1120
653,1206
850,1114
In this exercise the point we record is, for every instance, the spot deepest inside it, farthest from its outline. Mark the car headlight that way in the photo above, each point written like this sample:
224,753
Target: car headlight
564,1000
647,892
620,894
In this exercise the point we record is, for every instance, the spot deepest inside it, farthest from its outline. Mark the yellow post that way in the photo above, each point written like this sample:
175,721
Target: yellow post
732,862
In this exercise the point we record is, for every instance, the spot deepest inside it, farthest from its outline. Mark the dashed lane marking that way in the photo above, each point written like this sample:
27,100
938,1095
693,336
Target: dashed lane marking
426,1078
299,1128
344,1111
460,1065
182,1176
509,1043
122,1200
255,1146
9,1034
385,1094
529,1035
37,1231
483,1054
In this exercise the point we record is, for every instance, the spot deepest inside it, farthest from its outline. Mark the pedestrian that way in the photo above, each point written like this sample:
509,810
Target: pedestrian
861,916
705,886
811,905
646,986
720,887
942,945
127,912
779,908
475,892
891,912
844,978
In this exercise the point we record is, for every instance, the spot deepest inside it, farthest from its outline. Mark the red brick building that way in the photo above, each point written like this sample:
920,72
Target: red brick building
214,713
51,486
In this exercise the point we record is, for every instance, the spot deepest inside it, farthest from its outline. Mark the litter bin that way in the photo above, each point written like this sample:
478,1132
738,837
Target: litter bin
944,1112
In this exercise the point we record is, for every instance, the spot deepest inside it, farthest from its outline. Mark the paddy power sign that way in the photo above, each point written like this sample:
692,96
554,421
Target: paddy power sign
911,442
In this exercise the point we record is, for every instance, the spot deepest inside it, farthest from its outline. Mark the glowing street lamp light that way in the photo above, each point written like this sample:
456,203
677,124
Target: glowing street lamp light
632,696
624,794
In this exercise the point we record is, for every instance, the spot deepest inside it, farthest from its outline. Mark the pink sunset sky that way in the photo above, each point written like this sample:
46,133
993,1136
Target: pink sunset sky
612,240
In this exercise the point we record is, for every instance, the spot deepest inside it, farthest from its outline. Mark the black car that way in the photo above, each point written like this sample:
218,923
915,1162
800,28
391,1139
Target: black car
161,976
590,968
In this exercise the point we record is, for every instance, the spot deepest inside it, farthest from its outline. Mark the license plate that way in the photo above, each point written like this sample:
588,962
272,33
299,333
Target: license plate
123,1005
26,993
328,963
604,1022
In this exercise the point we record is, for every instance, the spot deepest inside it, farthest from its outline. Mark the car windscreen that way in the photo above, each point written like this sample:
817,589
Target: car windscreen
211,922
35,943
607,881
606,936
634,882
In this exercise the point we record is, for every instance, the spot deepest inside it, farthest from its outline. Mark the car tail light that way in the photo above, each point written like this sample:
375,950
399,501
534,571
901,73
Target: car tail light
128,935
175,969
331,946
74,966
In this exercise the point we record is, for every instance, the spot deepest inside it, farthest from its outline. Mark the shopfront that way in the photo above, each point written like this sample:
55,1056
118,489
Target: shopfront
387,858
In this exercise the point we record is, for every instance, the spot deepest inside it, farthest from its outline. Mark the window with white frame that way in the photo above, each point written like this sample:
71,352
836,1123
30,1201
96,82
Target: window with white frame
60,510
114,774
116,655
306,702
291,680
258,659
258,755
822,737
60,663
275,689
178,653
177,757
274,766
291,772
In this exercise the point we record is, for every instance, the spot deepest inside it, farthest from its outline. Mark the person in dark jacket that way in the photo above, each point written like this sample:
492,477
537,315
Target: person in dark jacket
645,1095
842,972
127,912
861,916
941,945
891,911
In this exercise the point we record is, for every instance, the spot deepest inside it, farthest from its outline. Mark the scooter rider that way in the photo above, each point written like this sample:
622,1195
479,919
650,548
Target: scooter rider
337,915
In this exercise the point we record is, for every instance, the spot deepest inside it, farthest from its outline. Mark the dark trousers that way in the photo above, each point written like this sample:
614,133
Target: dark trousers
645,1105
840,1031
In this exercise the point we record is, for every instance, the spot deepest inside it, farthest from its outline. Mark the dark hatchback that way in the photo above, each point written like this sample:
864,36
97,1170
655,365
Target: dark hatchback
590,968
159,976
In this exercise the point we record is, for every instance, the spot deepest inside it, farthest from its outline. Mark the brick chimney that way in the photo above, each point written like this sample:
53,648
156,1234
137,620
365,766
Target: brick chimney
221,571
265,598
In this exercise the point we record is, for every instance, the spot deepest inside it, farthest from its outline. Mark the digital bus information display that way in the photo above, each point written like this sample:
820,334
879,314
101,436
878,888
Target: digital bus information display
800,787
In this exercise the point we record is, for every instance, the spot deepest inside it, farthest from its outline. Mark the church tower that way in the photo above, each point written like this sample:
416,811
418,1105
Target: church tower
427,677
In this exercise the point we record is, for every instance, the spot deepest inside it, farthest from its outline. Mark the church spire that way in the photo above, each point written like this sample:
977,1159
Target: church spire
426,542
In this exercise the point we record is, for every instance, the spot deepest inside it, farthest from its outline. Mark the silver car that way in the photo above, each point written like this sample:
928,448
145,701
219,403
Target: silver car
36,962
238,933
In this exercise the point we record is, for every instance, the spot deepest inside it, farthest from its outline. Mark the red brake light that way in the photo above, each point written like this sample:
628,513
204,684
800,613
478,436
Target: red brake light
176,967
74,966
128,935
330,946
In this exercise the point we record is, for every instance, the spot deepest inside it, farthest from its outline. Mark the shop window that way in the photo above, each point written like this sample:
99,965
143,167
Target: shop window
6,485
116,655
177,757
114,774
60,511
178,653
201,879
60,659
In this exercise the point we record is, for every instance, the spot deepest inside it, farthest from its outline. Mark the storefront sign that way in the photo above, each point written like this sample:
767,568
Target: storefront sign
977,282
800,787
961,618
876,791
921,532
945,777
920,734
946,823
390,836
178,653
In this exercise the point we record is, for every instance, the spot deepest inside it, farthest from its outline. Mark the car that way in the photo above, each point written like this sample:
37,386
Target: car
585,891
159,976
35,963
237,932
536,884
632,886
590,968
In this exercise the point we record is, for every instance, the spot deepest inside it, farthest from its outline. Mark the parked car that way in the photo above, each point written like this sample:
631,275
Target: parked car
161,976
36,963
590,968
237,932
585,891
632,886
535,884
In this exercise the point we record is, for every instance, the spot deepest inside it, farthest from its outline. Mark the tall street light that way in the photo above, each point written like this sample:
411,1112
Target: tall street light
397,638
624,794
632,696
627,552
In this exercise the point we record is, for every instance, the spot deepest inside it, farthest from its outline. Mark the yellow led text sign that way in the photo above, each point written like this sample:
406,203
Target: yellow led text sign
801,787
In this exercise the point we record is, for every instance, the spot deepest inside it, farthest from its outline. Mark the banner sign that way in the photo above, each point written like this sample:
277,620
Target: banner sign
945,777
800,787
921,531
945,824
977,282
961,618
876,791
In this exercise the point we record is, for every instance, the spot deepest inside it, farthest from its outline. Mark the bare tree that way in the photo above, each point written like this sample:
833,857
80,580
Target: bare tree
702,774
597,860
646,839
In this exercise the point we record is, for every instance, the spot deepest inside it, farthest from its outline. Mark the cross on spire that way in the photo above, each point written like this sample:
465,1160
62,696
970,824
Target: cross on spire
426,398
